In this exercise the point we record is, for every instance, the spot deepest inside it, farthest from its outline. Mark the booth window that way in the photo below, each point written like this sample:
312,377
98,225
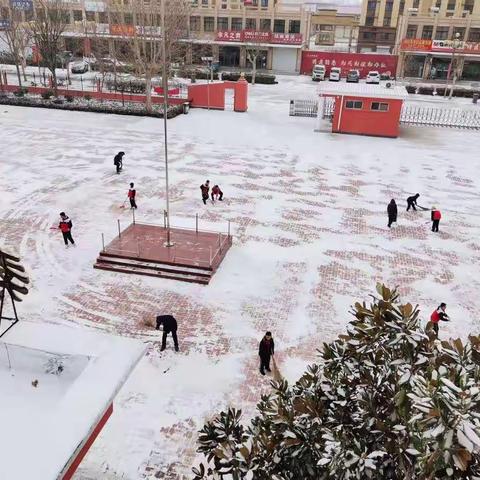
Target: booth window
379,107
354,105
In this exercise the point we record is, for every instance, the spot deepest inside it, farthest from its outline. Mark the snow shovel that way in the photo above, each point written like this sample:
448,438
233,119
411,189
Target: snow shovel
277,376
422,208
123,204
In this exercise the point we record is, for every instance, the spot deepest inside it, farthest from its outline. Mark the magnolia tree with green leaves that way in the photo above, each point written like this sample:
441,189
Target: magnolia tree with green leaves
386,401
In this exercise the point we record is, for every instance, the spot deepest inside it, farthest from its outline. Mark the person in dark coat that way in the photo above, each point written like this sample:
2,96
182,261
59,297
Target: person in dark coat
439,314
205,188
412,201
169,326
436,216
392,212
118,161
65,227
132,193
265,351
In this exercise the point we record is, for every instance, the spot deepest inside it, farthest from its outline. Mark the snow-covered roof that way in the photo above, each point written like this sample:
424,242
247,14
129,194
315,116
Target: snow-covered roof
47,413
363,90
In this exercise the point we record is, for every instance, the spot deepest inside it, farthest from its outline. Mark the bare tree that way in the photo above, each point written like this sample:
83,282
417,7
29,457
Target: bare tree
148,34
99,50
17,36
47,28
254,49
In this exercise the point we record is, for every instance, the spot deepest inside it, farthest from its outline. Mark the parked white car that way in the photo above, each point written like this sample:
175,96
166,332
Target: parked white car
335,74
373,77
318,72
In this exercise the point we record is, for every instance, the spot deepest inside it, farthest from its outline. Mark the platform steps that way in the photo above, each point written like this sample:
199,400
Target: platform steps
184,273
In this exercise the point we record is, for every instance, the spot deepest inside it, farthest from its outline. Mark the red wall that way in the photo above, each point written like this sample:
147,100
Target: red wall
366,121
364,62
213,95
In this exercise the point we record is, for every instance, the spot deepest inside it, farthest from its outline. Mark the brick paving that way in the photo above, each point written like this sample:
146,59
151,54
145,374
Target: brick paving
309,240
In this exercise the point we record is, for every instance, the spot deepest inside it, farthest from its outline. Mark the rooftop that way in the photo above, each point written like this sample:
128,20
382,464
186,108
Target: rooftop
363,90
57,383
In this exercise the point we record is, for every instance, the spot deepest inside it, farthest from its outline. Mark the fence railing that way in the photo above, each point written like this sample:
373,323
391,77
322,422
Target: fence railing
440,117
303,108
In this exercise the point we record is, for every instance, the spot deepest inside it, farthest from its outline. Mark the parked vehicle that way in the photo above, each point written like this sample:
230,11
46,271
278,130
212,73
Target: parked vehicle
318,73
79,66
353,76
335,74
373,77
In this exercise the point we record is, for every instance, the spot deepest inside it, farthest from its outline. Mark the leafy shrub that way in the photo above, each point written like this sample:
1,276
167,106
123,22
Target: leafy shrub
21,92
47,95
87,97
69,98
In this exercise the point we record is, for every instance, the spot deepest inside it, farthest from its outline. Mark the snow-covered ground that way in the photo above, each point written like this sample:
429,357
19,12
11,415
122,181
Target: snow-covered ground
308,212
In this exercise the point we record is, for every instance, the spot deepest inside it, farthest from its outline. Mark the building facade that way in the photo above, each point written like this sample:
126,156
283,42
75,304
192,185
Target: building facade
331,30
438,39
229,27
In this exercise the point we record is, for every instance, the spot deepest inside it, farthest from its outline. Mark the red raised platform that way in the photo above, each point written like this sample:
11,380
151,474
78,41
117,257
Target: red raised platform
140,249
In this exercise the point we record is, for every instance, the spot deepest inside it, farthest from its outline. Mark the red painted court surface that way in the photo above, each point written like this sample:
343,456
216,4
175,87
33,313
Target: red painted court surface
140,249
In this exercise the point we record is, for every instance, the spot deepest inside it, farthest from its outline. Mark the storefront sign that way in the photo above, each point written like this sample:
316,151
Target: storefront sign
22,4
258,36
444,46
230,35
364,62
416,44
287,38
122,30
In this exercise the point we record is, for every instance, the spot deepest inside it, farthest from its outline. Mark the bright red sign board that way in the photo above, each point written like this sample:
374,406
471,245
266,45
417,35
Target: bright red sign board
364,62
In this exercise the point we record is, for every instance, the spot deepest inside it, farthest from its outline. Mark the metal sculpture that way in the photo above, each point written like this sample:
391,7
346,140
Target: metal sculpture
12,282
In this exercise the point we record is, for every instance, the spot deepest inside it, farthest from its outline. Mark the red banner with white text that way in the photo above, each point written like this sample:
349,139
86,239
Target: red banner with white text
364,62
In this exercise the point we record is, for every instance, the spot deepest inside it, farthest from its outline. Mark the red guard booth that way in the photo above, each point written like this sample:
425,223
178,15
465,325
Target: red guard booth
364,109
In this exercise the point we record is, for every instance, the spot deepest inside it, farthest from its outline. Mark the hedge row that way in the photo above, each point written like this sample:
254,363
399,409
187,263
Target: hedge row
457,92
202,74
87,106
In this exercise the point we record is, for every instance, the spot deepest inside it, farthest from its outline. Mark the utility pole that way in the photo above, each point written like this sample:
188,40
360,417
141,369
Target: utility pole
168,243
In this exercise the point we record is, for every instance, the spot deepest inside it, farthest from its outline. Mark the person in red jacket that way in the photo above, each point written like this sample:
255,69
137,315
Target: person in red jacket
217,194
436,216
132,193
437,315
65,227
205,188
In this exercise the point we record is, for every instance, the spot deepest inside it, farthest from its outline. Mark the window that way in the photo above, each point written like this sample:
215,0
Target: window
265,25
401,7
369,21
389,6
412,31
128,19
209,24
379,107
90,16
461,31
386,21
371,6
416,3
279,26
77,15
195,24
474,35
251,24
441,33
222,23
427,32
294,26
237,24
368,36
102,17
438,3
451,5
264,3
468,6
353,105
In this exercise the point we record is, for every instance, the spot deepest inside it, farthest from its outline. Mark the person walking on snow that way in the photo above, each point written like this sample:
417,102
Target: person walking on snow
265,351
205,188
412,201
436,216
392,212
118,161
437,315
132,193
169,326
217,194
65,226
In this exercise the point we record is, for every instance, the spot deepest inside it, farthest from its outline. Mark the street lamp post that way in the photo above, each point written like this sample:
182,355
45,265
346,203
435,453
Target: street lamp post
209,62
168,243
456,44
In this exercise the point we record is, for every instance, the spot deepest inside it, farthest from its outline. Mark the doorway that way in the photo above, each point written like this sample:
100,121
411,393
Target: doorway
229,56
229,99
